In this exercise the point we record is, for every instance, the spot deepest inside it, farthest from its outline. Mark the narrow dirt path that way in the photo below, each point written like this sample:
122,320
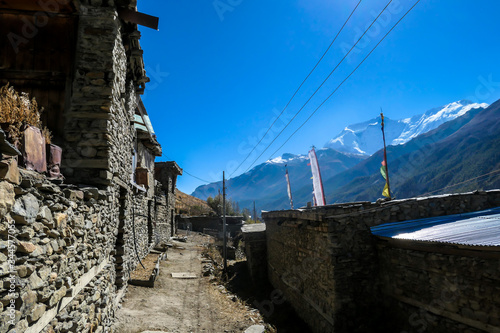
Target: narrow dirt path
182,305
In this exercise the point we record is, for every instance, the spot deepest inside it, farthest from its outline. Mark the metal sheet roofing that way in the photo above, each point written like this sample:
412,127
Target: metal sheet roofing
477,229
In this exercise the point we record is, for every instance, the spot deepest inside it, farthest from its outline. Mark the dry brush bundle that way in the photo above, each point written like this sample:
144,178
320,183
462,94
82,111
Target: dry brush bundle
17,111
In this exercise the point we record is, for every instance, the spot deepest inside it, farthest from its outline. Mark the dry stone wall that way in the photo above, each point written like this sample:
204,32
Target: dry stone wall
325,262
164,225
60,240
98,132
69,255
432,291
67,251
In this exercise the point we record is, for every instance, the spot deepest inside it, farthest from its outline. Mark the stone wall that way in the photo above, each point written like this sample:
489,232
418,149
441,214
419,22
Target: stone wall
438,288
99,135
61,240
254,237
165,226
72,247
166,174
200,223
325,260
73,250
92,119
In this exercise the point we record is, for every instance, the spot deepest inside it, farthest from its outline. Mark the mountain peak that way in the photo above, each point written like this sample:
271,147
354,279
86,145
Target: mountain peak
366,138
286,158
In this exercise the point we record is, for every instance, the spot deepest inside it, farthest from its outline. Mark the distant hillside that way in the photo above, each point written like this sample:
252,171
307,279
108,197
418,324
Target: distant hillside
365,138
463,145
266,182
189,205
459,150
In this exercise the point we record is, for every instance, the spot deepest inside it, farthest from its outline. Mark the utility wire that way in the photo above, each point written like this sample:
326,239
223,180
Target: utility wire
189,174
203,180
465,181
296,91
355,69
321,85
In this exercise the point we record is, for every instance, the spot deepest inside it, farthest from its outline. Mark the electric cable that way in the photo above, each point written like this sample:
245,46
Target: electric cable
297,90
463,182
355,69
189,174
321,85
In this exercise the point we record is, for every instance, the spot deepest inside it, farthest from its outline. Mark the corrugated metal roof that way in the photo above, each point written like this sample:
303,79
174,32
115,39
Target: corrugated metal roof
477,229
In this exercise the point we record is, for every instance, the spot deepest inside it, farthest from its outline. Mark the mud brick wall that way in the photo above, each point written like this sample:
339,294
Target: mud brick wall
325,259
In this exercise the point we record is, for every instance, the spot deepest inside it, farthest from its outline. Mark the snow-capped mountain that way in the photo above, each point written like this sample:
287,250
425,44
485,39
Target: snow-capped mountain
366,138
266,182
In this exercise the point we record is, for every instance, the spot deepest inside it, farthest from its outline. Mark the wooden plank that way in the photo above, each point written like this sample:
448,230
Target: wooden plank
184,275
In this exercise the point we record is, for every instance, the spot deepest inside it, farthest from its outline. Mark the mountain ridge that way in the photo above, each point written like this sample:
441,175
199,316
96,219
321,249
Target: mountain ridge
350,176
363,138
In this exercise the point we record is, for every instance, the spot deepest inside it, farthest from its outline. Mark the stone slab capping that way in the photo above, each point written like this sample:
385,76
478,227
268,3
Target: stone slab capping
341,278
67,249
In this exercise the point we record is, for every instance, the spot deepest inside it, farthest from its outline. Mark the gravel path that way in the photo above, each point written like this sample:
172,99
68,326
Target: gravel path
182,305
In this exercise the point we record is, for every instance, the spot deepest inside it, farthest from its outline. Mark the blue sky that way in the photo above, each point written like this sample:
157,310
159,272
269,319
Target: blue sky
222,70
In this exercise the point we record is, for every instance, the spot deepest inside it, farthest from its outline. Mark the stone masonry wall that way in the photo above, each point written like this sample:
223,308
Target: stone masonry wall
166,174
73,249
163,222
74,246
254,237
325,261
61,241
88,124
432,291
98,131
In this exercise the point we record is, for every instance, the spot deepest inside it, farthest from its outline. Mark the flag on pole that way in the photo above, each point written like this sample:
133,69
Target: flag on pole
384,170
319,195
288,187
385,192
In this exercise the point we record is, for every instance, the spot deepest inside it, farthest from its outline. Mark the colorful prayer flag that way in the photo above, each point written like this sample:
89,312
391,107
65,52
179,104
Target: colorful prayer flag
384,169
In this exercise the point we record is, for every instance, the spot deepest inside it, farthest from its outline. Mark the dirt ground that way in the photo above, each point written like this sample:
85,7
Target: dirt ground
184,305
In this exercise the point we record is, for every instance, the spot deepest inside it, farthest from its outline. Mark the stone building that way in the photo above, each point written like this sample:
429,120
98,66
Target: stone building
67,250
166,173
388,267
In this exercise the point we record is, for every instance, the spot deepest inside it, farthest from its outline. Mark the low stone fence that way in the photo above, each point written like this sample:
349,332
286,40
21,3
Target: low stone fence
66,253
199,223
434,287
324,260
254,236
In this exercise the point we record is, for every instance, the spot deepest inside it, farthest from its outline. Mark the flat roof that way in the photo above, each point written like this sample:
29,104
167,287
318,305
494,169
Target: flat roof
480,228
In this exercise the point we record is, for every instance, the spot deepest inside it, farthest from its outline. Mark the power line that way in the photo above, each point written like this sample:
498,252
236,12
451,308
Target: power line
355,69
203,180
465,181
296,91
321,85
189,174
